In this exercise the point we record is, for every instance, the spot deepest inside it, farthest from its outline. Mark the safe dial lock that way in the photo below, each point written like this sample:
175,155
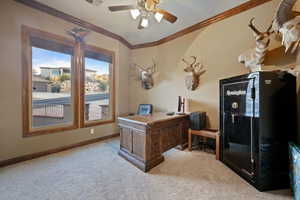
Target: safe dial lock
234,105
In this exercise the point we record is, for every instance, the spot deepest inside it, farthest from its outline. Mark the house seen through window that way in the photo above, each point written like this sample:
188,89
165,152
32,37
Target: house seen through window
66,85
96,89
51,88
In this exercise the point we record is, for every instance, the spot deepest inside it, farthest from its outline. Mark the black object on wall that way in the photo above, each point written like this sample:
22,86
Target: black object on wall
258,116
197,120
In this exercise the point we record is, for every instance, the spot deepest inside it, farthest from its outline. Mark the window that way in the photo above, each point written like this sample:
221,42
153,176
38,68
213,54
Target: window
98,86
51,87
60,90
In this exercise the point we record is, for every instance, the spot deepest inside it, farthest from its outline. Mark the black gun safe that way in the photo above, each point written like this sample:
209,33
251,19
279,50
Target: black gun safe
258,116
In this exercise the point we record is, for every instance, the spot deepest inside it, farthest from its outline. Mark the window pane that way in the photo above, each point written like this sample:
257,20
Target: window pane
97,89
51,87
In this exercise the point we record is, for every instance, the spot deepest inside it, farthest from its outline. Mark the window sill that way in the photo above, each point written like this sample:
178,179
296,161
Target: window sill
96,123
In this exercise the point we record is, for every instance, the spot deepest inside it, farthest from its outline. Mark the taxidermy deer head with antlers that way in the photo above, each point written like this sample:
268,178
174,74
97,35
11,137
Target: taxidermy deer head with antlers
196,70
146,75
254,58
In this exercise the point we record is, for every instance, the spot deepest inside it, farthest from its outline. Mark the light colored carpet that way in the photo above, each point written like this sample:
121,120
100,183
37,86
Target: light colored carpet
96,172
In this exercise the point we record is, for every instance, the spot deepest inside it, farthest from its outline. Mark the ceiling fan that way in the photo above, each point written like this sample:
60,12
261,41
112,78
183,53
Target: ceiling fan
145,8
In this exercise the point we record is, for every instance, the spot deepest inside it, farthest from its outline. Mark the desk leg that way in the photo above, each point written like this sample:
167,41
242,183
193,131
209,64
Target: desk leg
218,147
190,140
144,165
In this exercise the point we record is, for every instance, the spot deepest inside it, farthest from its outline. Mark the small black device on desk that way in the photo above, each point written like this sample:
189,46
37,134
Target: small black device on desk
170,113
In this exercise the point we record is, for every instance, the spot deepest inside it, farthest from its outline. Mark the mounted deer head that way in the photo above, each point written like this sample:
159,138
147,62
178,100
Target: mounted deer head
145,75
254,58
196,70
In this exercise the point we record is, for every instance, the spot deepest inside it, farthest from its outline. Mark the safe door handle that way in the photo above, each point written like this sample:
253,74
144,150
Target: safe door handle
233,118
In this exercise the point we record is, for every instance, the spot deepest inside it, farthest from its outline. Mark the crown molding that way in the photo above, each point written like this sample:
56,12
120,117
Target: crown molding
229,13
69,18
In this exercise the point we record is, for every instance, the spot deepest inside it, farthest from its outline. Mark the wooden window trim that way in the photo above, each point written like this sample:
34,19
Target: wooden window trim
78,83
112,91
26,33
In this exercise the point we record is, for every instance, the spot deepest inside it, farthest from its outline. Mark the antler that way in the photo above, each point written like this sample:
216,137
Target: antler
152,68
140,68
251,25
270,28
191,66
255,30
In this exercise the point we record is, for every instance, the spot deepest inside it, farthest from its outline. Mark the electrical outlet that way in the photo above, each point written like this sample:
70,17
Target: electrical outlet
92,131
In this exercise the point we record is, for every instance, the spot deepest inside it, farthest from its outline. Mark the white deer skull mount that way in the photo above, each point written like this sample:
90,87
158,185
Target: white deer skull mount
287,25
195,70
146,75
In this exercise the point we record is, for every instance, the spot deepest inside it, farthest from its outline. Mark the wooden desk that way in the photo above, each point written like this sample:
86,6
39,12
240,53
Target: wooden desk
145,138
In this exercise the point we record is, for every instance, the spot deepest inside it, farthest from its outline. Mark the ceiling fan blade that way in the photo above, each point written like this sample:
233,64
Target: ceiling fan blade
121,8
167,16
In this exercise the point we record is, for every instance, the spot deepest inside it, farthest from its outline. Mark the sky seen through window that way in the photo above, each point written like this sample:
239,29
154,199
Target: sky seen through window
46,58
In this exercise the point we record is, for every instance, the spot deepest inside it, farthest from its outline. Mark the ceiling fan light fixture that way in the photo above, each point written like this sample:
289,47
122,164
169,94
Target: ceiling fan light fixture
144,22
158,16
135,13
143,11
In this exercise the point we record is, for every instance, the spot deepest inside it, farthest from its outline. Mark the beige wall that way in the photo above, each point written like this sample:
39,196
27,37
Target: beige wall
218,47
12,144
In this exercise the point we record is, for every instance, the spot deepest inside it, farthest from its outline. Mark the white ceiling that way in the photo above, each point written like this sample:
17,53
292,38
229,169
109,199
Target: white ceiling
189,12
